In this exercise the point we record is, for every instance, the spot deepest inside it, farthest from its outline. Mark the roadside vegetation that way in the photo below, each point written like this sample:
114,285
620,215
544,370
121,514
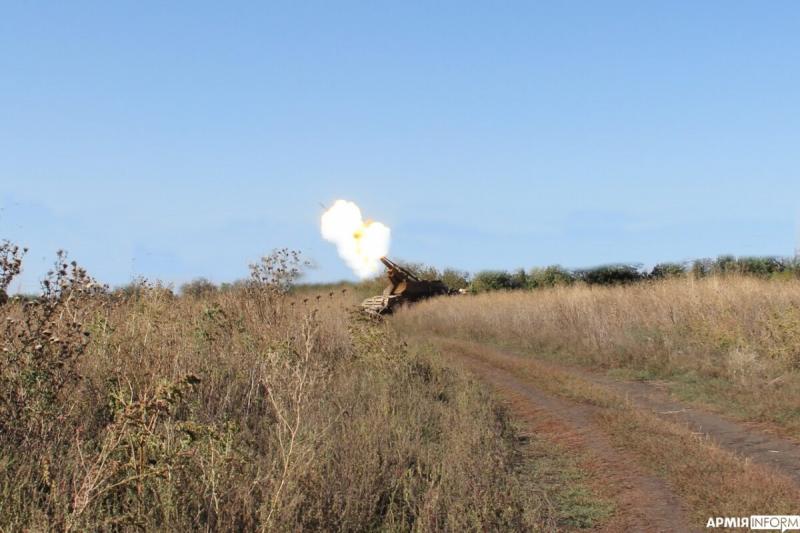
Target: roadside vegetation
251,407
730,342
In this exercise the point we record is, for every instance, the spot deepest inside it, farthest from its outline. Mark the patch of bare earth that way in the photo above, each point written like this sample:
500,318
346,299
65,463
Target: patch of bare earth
755,443
647,497
643,502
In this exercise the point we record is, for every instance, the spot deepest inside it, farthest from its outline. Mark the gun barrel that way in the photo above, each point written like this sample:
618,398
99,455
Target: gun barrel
391,265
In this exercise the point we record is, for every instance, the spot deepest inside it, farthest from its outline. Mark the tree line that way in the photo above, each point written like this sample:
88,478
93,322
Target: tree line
555,275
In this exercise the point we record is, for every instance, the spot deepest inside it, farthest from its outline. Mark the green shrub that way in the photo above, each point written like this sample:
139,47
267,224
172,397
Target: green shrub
668,270
610,275
198,287
702,267
551,276
455,279
494,280
761,266
724,264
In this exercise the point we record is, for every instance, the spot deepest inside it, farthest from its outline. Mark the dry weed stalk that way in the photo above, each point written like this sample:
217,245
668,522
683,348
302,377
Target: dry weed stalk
287,382
10,266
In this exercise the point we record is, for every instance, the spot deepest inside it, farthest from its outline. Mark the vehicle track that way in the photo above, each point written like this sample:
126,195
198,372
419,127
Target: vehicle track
762,447
645,501
781,454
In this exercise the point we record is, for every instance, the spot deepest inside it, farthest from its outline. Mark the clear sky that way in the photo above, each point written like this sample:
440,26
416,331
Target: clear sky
185,139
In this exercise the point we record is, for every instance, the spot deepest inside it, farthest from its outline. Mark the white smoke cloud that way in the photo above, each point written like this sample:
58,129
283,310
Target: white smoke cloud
361,244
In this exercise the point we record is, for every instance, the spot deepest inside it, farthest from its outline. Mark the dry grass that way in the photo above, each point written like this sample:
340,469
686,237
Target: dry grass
710,480
731,342
247,409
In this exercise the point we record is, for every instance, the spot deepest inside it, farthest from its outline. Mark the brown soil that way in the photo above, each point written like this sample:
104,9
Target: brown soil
644,501
756,443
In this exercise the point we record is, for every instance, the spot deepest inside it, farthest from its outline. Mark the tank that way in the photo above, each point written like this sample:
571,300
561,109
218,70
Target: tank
404,288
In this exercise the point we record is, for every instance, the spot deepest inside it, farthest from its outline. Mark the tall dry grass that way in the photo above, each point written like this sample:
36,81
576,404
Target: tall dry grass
248,409
731,341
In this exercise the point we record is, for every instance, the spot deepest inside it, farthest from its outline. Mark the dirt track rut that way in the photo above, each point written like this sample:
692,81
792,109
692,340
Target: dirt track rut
645,501
757,445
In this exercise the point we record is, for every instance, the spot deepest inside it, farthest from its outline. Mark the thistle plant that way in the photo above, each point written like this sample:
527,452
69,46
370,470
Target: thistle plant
41,341
10,266
278,271
272,278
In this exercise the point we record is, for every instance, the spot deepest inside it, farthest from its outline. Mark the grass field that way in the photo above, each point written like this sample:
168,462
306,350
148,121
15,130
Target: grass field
267,407
731,343
253,409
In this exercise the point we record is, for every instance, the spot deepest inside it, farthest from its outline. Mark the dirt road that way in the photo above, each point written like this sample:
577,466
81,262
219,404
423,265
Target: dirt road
645,500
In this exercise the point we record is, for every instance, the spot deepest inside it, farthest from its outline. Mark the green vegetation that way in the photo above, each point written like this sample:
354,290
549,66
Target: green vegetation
495,280
604,275
197,288
538,277
556,275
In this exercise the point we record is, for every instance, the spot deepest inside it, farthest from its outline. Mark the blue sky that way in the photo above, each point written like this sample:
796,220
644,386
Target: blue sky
184,139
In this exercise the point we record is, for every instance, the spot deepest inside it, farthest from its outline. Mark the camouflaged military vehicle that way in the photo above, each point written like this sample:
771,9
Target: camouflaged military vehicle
404,288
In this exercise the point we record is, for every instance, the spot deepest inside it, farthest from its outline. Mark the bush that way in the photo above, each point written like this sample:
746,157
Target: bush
198,288
455,279
237,285
493,280
551,276
519,279
724,264
140,287
702,267
751,266
610,275
667,270
761,266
